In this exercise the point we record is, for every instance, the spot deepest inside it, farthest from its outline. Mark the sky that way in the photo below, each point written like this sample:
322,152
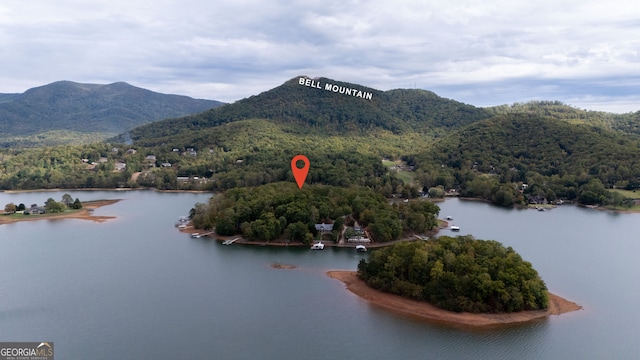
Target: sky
584,53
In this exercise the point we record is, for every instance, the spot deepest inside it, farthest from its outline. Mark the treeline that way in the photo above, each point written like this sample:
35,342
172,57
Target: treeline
282,210
517,158
457,274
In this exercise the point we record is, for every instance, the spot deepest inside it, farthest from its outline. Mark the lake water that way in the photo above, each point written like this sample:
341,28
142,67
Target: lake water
136,288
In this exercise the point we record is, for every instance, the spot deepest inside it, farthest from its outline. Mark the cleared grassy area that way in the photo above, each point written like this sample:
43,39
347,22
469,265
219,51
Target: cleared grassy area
624,208
630,194
406,176
20,216
627,194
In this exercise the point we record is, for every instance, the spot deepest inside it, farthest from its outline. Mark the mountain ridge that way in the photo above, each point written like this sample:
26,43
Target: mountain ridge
305,105
108,109
306,109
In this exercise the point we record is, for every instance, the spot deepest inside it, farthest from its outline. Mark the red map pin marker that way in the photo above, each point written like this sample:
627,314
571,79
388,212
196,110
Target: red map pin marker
300,174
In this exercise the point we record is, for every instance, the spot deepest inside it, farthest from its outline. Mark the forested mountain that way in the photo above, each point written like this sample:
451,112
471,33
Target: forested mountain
308,110
37,116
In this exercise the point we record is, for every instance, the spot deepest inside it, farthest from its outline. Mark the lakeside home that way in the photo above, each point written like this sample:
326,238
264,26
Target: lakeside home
359,239
35,210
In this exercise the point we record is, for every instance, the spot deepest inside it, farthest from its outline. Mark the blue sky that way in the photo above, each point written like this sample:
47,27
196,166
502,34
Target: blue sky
583,53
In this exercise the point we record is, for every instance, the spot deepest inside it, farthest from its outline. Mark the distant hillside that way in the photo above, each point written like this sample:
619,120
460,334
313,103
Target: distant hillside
303,109
532,143
94,110
554,158
626,123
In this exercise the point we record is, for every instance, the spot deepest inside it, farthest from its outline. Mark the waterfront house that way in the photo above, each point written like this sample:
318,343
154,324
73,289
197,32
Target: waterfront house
324,227
34,210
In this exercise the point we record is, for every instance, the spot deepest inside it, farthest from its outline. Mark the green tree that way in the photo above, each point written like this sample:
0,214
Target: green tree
53,206
76,204
436,192
67,200
590,198
297,231
226,222
10,208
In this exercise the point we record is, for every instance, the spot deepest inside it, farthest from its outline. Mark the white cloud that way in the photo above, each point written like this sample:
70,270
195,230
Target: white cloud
227,50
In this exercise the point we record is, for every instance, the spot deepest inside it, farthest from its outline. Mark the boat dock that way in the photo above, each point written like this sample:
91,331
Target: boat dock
229,242
199,235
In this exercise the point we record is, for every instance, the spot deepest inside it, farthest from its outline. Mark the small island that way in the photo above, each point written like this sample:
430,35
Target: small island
65,209
454,280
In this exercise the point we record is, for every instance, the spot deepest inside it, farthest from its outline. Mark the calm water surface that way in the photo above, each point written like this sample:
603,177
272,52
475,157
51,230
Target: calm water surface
136,288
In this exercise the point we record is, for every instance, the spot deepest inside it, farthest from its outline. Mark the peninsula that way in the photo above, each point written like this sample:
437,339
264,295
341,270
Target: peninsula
86,213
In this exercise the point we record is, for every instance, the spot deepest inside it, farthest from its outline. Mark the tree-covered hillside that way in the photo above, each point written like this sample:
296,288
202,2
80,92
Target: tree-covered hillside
625,123
554,159
86,110
243,153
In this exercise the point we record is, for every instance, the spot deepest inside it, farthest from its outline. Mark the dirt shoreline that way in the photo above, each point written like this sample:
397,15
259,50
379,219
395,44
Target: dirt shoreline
426,311
86,213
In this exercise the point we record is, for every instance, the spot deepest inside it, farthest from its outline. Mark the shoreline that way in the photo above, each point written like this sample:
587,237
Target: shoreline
425,311
86,213
189,229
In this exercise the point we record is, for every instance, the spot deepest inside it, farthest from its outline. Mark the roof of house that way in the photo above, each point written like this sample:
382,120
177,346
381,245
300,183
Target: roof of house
324,227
